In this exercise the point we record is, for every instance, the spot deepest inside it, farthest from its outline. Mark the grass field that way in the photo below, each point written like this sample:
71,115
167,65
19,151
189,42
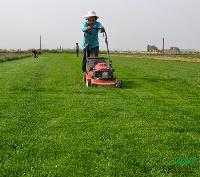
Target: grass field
52,125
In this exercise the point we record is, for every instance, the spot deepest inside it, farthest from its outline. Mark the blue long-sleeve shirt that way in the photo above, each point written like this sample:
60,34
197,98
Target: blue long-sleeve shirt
91,38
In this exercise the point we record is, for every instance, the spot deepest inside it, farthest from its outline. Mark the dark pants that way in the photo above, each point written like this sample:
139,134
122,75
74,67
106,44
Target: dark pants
77,52
94,52
35,54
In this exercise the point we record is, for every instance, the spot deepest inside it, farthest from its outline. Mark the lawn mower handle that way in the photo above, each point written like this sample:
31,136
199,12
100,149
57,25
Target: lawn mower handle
107,46
97,28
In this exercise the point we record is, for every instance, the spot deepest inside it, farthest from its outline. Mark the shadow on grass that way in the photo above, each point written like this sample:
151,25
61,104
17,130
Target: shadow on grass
138,82
156,79
129,84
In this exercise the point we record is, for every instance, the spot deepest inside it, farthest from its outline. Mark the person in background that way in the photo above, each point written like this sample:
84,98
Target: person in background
36,53
77,49
91,29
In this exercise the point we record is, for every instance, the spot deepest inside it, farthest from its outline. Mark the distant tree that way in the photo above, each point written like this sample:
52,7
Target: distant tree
152,48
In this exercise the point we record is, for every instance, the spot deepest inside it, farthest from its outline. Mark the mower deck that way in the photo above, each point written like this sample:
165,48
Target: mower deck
98,82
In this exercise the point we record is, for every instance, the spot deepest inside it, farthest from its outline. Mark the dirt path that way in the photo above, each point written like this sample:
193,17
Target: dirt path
173,58
194,60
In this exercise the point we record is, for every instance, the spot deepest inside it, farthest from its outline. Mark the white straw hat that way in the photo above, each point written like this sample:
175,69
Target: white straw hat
91,14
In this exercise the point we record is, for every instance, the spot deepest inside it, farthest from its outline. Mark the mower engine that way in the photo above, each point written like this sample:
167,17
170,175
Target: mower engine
103,72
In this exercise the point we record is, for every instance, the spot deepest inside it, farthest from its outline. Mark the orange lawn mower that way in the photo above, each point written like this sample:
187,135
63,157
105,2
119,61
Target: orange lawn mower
99,70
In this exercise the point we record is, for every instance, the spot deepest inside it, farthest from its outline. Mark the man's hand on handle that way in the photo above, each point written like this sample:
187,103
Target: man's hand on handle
103,29
89,28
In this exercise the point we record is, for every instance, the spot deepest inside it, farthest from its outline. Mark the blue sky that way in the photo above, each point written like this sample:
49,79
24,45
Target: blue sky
131,24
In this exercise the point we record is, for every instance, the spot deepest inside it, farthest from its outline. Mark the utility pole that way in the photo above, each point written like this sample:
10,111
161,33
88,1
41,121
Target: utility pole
163,45
40,42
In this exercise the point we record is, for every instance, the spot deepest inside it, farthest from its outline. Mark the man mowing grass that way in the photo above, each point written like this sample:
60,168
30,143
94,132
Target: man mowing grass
91,41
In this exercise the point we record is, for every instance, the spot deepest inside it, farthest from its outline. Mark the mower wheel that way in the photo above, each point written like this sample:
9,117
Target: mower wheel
119,84
88,83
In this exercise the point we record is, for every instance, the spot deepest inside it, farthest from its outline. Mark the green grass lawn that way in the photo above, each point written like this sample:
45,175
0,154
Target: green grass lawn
52,125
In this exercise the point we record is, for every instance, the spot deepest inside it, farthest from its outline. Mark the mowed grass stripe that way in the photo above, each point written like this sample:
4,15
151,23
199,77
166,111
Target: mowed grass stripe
52,125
